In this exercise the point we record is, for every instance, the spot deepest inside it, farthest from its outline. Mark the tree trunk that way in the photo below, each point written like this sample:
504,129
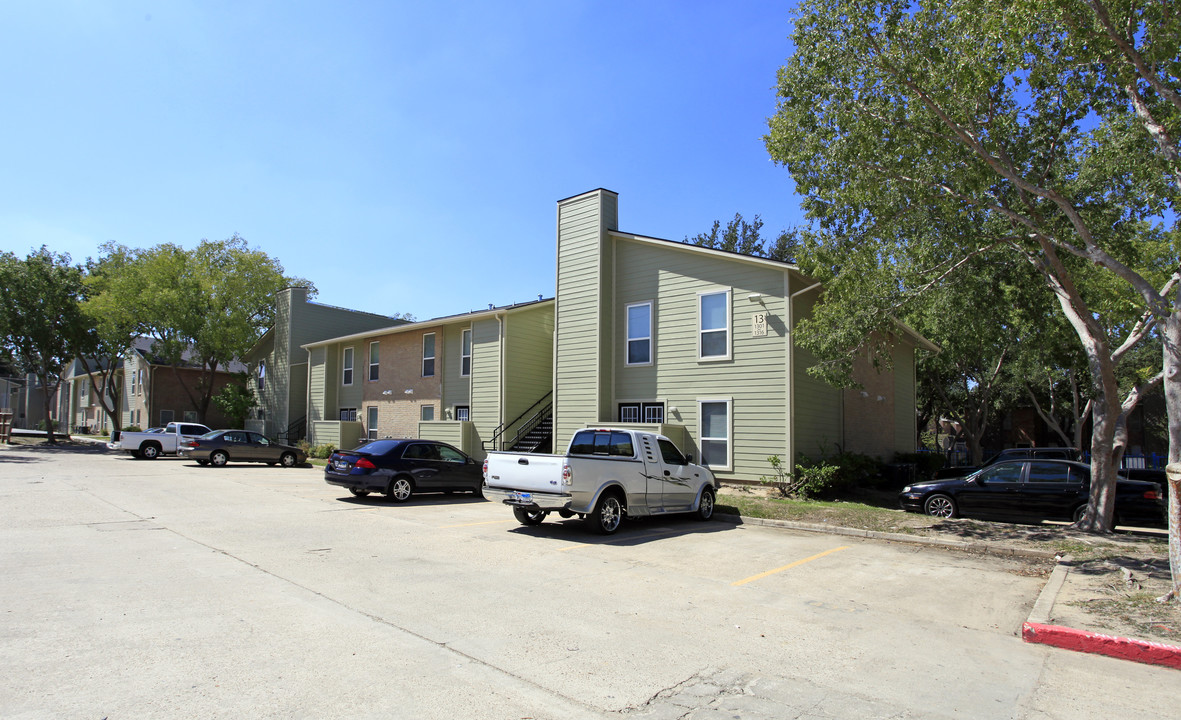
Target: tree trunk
1172,382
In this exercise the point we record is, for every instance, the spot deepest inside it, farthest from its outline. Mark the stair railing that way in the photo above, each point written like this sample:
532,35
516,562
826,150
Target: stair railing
494,443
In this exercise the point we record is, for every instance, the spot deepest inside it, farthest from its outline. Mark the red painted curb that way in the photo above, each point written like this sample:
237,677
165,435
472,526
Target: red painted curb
1070,639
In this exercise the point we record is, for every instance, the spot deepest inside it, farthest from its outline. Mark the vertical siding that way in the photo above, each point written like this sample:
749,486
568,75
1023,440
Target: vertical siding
818,421
754,377
529,358
457,390
905,399
577,363
486,377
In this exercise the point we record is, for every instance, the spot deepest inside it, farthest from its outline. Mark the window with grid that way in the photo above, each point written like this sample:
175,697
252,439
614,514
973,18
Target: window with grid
373,361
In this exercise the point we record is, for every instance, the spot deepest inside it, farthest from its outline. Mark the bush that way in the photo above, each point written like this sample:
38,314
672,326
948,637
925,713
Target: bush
808,479
42,425
323,451
133,428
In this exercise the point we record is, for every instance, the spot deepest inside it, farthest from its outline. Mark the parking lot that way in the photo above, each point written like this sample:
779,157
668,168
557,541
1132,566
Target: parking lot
137,589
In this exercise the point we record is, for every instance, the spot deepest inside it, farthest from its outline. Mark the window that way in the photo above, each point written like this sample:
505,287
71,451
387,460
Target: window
648,412
669,453
639,334
348,414
371,422
465,357
262,374
373,361
1005,473
428,355
134,385
190,416
427,413
347,363
1040,472
714,433
451,455
166,416
714,318
612,444
463,413
141,382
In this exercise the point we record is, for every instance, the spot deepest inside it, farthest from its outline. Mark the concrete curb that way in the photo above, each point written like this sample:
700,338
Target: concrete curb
980,548
1038,630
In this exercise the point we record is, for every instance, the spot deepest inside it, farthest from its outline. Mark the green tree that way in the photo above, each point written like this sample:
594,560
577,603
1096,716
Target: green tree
202,308
1053,124
41,321
746,238
236,400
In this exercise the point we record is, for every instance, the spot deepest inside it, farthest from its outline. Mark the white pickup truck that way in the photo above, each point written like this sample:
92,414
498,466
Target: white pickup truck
151,445
606,474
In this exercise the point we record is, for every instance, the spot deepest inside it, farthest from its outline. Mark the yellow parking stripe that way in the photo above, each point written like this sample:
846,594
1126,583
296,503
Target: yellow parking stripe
486,522
797,563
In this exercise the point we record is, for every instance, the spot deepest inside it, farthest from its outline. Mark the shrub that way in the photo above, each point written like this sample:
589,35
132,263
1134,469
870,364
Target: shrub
43,426
133,428
323,451
807,480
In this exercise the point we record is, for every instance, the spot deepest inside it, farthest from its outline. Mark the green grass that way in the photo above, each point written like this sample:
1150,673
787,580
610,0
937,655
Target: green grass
848,514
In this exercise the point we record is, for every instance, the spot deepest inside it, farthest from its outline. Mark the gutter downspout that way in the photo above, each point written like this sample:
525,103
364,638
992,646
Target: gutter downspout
791,374
500,321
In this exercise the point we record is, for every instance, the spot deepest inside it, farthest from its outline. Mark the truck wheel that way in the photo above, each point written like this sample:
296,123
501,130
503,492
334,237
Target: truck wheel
705,508
400,490
607,515
219,459
151,451
525,516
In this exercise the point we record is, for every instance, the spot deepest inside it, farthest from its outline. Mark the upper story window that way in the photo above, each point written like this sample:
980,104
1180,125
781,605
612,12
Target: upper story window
465,358
347,363
373,361
714,325
262,374
141,381
428,355
639,334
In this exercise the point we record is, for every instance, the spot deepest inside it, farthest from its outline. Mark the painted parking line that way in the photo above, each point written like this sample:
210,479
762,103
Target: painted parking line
797,563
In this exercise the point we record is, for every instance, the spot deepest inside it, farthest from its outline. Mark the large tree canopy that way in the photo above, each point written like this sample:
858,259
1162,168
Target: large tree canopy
41,322
1051,127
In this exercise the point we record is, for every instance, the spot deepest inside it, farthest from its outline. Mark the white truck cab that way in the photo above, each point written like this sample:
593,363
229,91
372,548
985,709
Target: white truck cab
606,474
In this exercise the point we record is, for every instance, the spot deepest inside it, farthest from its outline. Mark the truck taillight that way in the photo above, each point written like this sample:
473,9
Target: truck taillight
485,467
567,474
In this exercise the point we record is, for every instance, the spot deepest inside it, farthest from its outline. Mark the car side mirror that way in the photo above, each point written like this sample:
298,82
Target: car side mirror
689,459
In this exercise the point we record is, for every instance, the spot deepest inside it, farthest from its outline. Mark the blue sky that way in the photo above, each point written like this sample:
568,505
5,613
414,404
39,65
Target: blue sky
403,156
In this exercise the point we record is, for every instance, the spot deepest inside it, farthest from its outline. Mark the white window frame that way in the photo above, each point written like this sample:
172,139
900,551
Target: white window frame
374,367
434,353
455,412
465,352
729,329
347,360
371,422
347,410
262,374
628,339
729,439
422,412
141,381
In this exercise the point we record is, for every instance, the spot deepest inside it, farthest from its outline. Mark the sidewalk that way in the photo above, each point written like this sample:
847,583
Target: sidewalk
1057,619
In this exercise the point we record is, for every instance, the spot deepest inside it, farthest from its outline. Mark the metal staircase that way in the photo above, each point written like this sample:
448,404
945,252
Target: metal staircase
535,434
539,439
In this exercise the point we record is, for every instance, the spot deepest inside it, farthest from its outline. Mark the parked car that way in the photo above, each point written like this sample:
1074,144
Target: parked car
401,467
1032,490
222,446
155,442
1046,453
606,474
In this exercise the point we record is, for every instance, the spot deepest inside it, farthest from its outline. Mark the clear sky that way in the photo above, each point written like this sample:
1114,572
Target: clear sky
403,156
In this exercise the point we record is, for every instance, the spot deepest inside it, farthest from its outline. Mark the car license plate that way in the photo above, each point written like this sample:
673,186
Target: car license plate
340,465
521,498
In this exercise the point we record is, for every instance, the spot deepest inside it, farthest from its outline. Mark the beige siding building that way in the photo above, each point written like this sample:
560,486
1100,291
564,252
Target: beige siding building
697,343
479,380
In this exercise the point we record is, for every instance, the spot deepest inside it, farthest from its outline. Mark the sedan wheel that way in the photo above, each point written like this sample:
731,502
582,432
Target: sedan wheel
1079,512
400,490
940,506
288,460
219,459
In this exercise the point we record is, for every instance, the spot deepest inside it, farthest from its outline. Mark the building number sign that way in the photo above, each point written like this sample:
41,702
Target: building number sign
758,324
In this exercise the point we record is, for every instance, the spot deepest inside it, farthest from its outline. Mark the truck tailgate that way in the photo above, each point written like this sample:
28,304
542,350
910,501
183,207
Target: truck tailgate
530,472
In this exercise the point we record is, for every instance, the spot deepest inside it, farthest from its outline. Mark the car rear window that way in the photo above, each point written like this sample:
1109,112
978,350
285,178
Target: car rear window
614,444
378,447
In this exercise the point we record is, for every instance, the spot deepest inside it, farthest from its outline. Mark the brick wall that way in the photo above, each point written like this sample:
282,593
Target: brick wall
869,412
400,369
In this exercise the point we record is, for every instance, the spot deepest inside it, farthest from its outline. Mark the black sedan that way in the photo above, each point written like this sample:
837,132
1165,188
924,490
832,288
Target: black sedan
222,446
400,468
1032,490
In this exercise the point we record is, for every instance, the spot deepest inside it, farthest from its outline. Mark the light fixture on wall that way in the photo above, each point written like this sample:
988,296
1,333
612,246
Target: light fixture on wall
387,392
755,297
408,391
